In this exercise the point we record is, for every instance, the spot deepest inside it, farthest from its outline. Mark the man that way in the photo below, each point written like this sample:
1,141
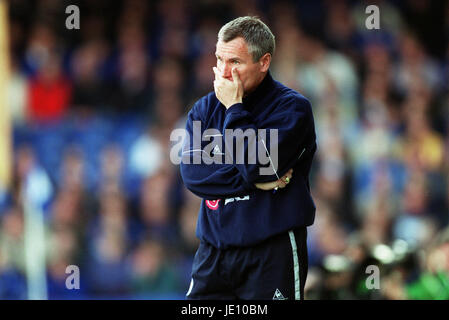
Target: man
252,226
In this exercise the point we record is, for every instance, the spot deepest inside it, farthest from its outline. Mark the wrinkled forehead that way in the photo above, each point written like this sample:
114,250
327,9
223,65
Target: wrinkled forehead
235,48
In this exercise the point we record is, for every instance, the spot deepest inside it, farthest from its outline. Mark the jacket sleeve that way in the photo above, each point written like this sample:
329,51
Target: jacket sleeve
209,181
293,137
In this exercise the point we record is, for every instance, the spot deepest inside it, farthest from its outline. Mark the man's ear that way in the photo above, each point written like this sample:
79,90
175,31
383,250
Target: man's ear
265,62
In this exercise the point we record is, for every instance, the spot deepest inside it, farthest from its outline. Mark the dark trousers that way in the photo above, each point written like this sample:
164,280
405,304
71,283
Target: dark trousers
273,269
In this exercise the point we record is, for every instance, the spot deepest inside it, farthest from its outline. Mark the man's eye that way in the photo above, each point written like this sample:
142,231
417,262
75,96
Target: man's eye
236,62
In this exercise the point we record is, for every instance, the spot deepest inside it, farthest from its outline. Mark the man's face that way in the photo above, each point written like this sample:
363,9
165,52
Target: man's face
235,54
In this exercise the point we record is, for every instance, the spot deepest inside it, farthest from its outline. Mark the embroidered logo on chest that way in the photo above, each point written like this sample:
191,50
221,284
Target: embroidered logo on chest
212,204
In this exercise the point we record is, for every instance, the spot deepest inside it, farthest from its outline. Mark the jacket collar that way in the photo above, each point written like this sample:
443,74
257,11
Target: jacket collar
262,89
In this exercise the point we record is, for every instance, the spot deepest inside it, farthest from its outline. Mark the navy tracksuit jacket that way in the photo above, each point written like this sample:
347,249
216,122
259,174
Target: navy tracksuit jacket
234,213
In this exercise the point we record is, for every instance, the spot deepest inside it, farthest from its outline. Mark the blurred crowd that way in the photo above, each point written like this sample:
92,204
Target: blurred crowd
93,109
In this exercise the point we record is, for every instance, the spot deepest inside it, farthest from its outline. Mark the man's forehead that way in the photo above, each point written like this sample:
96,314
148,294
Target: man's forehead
236,47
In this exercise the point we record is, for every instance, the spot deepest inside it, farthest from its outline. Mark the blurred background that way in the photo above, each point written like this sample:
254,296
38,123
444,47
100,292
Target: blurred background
86,117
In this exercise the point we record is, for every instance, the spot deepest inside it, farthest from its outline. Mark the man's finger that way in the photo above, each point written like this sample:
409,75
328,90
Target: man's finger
216,73
281,183
288,174
216,88
235,76
266,185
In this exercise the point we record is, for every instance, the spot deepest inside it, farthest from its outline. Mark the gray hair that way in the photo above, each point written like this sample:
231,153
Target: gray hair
257,35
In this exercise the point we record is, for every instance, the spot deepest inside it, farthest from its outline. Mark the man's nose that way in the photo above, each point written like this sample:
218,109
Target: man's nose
227,71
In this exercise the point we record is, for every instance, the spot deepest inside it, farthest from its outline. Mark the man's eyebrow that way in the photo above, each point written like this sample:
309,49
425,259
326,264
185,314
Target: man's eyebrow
233,58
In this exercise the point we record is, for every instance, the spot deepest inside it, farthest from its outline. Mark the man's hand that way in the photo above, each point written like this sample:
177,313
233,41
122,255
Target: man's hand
228,92
281,183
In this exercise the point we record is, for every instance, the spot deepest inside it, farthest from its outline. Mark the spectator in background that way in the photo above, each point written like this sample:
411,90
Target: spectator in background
153,274
174,19
29,179
24,163
49,91
323,72
187,223
414,67
89,92
168,109
131,92
327,236
62,248
73,206
372,143
41,43
376,224
168,77
202,78
203,40
134,11
420,144
111,162
340,30
12,240
66,212
414,223
285,62
73,175
156,207
109,233
108,238
12,273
